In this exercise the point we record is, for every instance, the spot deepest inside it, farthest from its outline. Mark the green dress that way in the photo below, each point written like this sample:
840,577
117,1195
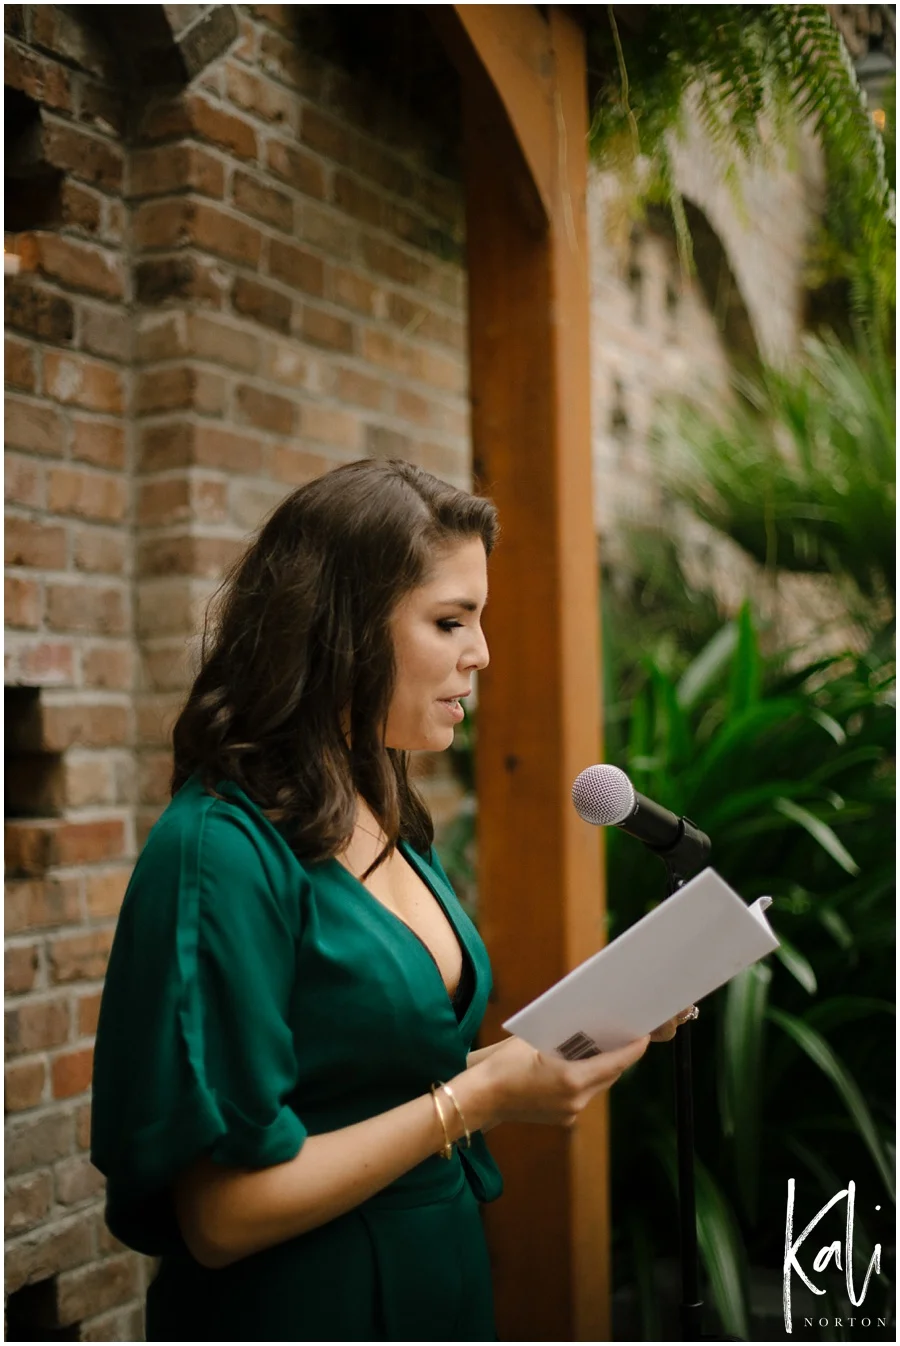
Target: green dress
250,1001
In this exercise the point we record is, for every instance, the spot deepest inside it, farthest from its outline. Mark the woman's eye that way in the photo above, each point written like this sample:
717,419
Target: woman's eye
448,624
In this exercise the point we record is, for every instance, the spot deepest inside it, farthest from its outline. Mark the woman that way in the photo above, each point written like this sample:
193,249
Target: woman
285,1105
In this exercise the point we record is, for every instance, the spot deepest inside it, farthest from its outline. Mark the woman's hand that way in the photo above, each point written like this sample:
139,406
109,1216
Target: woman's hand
667,1031
524,1085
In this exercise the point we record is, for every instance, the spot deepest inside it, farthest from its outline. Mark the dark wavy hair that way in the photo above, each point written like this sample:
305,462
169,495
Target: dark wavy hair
297,639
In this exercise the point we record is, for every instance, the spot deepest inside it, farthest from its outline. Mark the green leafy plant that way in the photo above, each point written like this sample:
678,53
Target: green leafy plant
790,774
799,469
752,72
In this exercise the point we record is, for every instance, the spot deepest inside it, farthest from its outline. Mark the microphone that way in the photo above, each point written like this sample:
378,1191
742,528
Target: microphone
604,796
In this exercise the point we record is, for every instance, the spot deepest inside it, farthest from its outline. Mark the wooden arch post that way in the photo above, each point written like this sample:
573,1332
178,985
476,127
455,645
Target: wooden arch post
541,898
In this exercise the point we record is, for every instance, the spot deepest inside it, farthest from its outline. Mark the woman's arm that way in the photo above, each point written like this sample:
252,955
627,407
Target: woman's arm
226,1213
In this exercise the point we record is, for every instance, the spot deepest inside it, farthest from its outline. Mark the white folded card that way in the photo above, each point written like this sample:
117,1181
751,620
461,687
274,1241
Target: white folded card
690,944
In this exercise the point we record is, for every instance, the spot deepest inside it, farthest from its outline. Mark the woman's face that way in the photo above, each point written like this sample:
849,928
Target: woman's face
438,643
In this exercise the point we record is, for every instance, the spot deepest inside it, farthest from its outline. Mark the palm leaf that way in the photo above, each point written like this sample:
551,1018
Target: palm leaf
817,1049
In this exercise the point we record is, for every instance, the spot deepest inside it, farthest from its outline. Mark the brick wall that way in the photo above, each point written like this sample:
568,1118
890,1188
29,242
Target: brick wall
252,279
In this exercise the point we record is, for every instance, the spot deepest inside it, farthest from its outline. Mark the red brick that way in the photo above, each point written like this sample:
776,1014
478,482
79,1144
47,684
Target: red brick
179,277
163,119
77,1180
19,365
24,1085
221,128
166,445
253,197
359,201
226,450
42,1254
286,363
387,260
79,266
103,107
360,389
44,81
22,600
66,36
77,381
20,968
36,1025
264,304
285,60
327,425
70,1073
37,904
110,668
46,663
30,543
260,97
154,778
163,389
167,667
82,207
84,156
105,889
27,1201
98,442
116,218
265,410
33,427
321,133
411,407
335,234
296,267
89,726
354,291
294,467
88,1013
206,557
98,551
90,495
80,957
176,168
24,481
31,309
86,607
106,332
90,842
176,499
88,781
401,357
324,329
298,169
213,340
105,1241
162,224
443,371
85,1292
225,235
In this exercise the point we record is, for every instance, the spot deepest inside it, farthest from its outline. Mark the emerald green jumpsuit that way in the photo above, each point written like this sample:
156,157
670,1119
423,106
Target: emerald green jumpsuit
251,1001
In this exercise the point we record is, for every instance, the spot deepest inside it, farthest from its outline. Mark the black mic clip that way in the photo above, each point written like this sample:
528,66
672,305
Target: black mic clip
688,854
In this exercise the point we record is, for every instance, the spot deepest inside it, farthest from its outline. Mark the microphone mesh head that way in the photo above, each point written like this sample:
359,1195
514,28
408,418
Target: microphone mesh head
603,795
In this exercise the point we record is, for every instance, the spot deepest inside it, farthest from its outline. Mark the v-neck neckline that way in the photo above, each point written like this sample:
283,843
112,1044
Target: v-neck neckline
413,861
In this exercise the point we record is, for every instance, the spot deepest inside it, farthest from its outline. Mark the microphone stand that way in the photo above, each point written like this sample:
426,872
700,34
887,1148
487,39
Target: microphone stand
686,857
691,1307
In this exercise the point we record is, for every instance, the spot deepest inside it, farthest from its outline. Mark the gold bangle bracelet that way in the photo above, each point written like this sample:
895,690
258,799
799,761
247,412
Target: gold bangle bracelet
452,1097
446,1151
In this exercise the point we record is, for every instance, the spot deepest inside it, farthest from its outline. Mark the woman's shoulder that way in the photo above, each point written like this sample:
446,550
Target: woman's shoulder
220,840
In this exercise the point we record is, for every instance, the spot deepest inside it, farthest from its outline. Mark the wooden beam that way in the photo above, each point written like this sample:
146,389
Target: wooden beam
541,902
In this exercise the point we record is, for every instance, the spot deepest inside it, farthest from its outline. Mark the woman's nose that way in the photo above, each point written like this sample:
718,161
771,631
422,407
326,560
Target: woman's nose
477,656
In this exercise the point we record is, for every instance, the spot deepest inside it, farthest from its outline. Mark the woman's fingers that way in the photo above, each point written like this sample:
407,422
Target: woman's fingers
666,1031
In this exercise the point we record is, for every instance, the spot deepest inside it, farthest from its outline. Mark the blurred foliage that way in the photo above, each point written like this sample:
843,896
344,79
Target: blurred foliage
800,470
752,72
792,776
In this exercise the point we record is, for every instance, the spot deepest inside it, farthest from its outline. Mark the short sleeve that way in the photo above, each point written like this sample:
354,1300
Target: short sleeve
195,1049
